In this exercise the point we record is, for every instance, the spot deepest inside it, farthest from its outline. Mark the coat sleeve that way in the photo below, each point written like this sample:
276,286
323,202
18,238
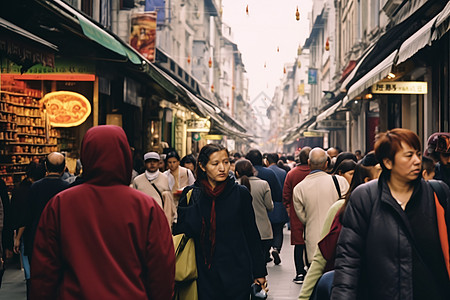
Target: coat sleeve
160,257
252,234
298,204
287,192
189,218
351,244
46,265
268,198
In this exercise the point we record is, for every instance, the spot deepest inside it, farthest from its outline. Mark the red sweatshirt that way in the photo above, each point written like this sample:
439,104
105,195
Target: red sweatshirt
103,239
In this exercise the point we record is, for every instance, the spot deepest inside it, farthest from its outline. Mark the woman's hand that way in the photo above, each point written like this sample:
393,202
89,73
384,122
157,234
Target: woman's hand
262,282
16,245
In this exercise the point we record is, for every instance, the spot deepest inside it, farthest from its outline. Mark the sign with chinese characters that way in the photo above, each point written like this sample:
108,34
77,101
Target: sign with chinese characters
400,87
312,76
198,125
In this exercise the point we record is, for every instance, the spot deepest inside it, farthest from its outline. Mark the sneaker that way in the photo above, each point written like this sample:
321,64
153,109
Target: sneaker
276,257
299,278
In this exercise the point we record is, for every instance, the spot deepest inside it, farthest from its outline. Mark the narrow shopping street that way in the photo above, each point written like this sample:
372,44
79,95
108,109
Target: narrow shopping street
280,278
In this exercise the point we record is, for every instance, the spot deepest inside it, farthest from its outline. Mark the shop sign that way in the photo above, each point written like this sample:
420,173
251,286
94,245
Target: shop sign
213,137
312,76
62,66
143,34
312,134
400,87
198,125
66,109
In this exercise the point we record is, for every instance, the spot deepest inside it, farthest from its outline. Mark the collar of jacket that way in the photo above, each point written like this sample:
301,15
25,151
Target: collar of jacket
389,200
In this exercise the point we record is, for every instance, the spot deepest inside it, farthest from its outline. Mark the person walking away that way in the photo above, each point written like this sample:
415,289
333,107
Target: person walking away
262,201
428,168
256,158
155,184
439,149
314,195
279,216
102,239
179,177
400,220
221,220
296,175
318,281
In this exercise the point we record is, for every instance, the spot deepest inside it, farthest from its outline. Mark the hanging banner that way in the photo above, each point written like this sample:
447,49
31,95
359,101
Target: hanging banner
312,76
143,34
159,6
400,87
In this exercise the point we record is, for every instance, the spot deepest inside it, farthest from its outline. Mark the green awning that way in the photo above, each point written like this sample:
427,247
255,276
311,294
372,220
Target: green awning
105,39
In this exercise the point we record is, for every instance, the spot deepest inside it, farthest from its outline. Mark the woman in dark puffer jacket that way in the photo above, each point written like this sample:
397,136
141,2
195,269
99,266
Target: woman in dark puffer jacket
394,243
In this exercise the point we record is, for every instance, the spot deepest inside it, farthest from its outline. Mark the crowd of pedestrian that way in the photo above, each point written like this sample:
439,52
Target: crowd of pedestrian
368,226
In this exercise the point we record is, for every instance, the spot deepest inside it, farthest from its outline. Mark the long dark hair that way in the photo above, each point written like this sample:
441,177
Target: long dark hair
203,158
359,177
245,169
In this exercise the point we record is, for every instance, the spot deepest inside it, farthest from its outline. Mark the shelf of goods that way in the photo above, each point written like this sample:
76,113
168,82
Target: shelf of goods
24,136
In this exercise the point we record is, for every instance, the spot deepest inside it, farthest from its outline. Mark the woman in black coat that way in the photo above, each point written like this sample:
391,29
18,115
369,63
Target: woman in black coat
221,220
390,245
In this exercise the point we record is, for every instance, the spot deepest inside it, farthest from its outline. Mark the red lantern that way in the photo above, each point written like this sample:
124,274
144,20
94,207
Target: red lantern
212,88
189,59
210,62
278,49
327,45
284,70
264,65
246,10
297,15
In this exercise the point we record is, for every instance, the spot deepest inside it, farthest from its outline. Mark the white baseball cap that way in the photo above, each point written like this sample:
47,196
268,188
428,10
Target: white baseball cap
151,155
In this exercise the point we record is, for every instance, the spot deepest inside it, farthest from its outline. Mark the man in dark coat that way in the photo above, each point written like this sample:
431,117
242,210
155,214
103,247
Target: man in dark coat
439,149
102,239
296,175
255,157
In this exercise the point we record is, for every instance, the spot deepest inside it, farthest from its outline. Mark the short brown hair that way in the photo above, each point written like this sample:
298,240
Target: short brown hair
390,142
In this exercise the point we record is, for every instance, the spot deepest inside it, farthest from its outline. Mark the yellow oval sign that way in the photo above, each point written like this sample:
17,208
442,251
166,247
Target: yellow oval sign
66,109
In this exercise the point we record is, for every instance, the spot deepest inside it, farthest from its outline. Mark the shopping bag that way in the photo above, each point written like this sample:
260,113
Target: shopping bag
185,263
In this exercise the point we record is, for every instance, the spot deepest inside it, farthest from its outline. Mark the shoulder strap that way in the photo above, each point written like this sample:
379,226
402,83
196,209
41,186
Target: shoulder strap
159,193
336,184
437,188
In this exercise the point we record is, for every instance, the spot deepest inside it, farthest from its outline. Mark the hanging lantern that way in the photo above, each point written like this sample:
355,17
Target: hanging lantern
265,65
278,49
210,63
212,88
233,87
246,10
327,44
221,11
299,64
284,70
297,15
189,59
299,50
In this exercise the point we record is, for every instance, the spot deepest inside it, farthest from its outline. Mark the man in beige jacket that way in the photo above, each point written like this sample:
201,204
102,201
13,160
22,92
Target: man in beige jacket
155,184
314,195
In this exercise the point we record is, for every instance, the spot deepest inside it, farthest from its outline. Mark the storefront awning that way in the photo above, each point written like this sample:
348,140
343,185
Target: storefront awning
329,112
408,8
416,42
373,76
96,33
355,69
295,131
442,24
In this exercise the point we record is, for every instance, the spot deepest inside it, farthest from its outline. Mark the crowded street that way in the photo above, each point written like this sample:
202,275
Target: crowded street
224,149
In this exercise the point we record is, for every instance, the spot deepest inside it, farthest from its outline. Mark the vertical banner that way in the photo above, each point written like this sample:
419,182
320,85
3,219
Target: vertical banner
143,34
312,76
159,6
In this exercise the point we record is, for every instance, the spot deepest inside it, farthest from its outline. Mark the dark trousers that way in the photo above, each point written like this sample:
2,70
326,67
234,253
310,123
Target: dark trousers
322,290
299,260
266,245
277,230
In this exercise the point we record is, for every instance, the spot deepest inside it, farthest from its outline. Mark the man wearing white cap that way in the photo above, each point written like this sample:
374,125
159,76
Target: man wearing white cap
155,184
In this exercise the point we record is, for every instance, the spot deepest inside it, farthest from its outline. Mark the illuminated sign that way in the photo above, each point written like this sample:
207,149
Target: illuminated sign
66,109
198,125
400,87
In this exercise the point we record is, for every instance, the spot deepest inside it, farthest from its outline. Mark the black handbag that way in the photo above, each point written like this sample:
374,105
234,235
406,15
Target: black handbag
257,292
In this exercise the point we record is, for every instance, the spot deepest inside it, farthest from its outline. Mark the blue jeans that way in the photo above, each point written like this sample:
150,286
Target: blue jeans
322,290
25,262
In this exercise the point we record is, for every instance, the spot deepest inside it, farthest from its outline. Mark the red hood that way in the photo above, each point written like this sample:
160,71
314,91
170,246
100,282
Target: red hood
106,156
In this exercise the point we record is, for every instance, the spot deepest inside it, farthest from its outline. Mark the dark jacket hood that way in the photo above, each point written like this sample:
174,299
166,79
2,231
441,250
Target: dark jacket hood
106,156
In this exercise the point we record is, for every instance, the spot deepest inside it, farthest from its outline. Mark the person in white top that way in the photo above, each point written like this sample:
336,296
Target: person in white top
314,195
179,177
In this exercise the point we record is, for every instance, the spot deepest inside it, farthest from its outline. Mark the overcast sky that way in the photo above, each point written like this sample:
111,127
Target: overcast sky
268,25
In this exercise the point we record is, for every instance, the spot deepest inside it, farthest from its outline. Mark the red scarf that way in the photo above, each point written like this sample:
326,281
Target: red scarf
213,194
